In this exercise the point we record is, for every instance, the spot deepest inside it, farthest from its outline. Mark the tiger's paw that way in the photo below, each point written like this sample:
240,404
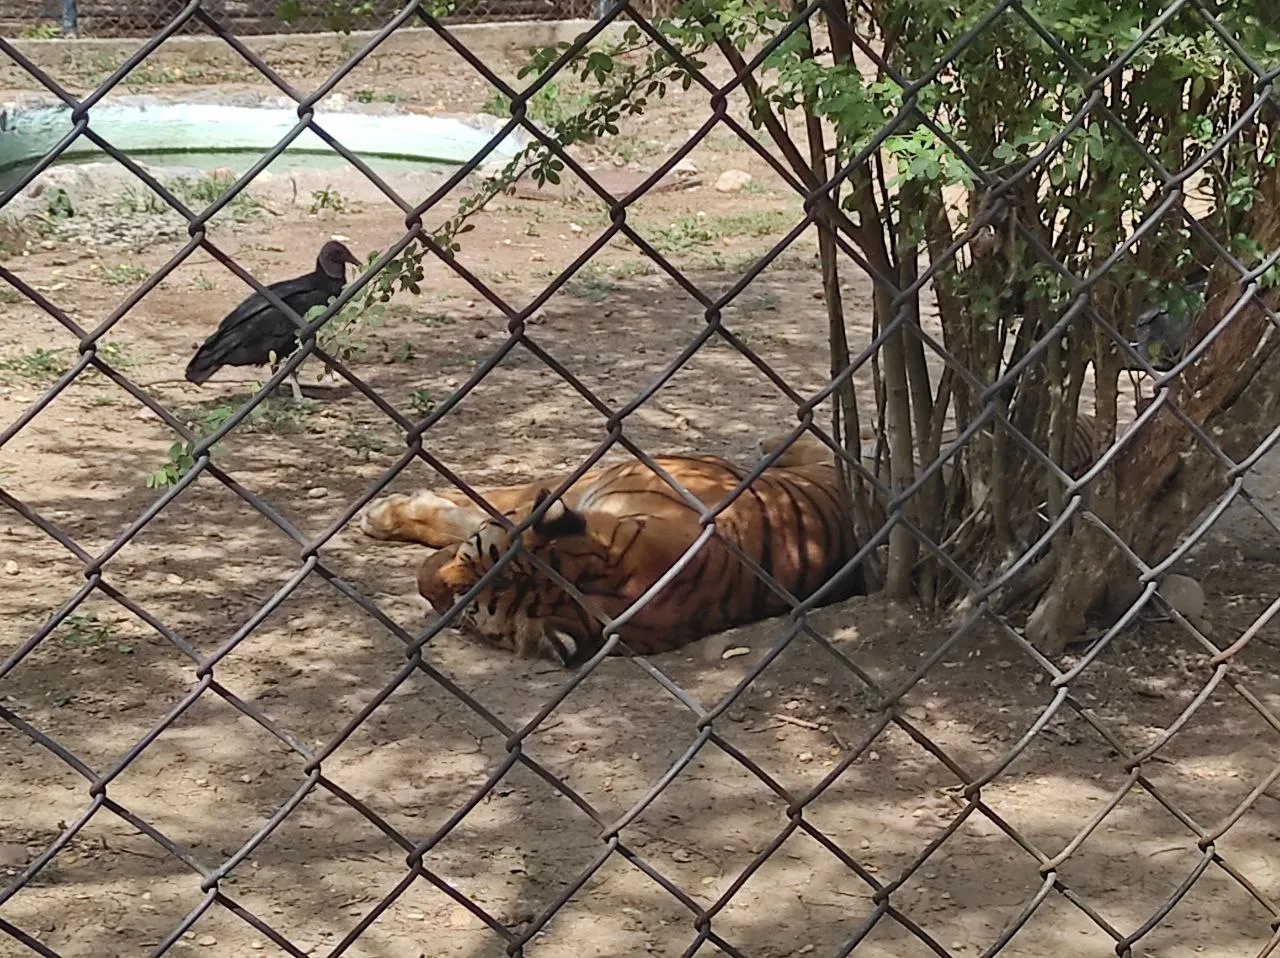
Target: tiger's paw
416,518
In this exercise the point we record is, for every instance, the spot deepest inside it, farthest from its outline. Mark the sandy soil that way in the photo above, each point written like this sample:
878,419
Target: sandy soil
213,777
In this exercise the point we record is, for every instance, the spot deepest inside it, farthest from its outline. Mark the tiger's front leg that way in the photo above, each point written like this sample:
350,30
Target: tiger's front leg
439,519
423,517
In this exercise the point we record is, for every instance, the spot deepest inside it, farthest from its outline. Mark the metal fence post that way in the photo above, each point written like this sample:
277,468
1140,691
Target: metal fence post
70,15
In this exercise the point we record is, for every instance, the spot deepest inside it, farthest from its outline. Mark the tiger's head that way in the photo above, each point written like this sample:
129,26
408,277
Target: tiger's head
521,608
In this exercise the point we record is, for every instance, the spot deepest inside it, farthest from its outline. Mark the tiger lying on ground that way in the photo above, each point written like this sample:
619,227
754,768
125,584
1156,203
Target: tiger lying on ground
614,533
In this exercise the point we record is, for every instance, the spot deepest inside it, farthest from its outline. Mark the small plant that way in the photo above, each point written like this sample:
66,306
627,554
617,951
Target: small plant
403,352
422,401
178,463
123,274
434,319
547,107
155,74
686,234
39,365
44,30
202,192
202,282
86,630
339,337
368,96
139,199
594,289
57,204
328,199
116,355
632,267
340,16
363,440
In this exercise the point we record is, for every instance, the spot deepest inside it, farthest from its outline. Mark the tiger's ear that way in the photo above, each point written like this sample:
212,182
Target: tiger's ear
559,520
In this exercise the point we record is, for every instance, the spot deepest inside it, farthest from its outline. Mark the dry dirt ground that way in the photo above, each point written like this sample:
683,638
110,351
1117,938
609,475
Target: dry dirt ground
206,565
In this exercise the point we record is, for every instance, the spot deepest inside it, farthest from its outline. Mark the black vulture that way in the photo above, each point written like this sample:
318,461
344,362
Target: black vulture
255,329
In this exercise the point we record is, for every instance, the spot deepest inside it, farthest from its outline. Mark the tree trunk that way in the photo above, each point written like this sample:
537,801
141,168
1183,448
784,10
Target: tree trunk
1166,478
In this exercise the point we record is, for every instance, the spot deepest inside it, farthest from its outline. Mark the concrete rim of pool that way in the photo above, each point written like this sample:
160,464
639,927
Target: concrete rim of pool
148,126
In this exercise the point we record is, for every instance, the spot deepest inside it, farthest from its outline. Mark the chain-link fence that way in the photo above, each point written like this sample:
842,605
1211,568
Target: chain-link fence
128,18
206,741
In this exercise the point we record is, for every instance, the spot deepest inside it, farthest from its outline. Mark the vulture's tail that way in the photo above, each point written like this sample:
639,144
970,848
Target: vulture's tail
205,362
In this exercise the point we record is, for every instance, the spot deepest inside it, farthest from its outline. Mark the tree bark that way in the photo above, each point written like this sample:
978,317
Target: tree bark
1166,478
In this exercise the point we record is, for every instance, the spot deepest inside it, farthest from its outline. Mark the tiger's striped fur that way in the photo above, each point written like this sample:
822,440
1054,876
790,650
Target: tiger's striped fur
614,534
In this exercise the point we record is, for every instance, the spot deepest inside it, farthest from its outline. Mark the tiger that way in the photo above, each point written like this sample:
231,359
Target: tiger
614,533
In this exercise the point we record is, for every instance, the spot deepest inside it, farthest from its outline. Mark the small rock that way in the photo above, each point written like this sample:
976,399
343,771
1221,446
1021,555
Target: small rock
12,856
537,257
11,568
1185,594
206,941
735,652
686,167
805,757
916,712
681,855
48,244
317,492
732,181
575,228
173,579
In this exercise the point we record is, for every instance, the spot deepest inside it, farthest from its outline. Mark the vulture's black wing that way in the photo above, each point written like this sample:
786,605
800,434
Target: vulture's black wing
255,329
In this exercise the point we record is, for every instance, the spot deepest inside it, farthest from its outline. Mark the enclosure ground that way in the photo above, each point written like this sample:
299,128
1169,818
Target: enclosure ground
207,563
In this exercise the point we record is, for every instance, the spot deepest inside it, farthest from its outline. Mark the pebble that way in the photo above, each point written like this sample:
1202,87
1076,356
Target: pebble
11,568
1185,594
206,941
317,492
174,579
732,181
681,855
916,712
735,652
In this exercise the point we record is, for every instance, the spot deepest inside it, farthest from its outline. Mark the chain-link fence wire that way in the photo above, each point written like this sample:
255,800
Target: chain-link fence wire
216,879
136,18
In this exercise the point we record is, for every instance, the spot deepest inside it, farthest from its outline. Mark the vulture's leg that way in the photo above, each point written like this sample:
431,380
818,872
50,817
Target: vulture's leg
295,386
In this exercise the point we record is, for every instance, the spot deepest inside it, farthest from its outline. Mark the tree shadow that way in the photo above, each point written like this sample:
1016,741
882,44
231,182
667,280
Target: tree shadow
781,861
